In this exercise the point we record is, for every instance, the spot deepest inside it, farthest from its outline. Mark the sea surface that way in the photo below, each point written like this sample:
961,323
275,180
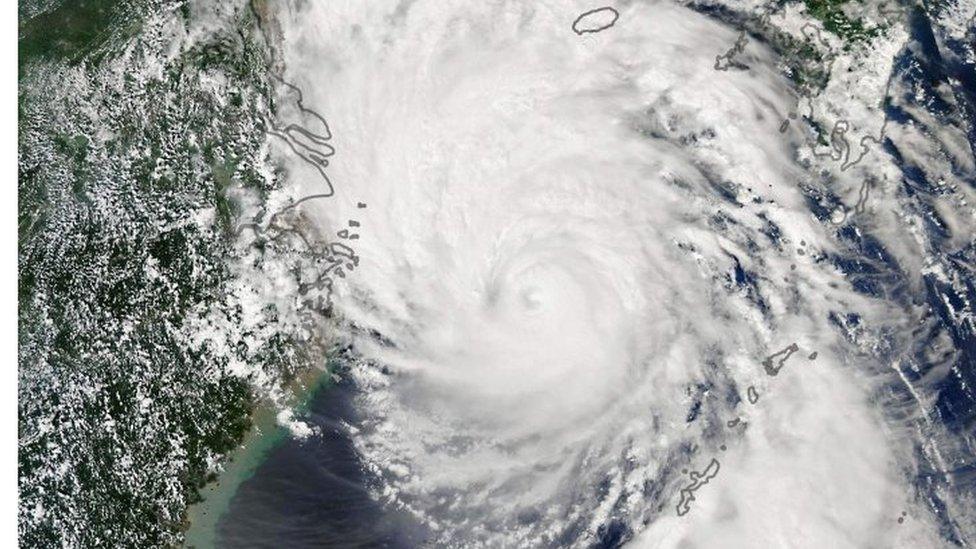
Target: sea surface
313,492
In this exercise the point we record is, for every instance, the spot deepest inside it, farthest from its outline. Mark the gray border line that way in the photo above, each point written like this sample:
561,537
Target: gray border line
786,353
698,479
585,14
337,255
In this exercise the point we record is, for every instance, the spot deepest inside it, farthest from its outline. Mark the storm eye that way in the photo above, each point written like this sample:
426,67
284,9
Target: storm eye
531,298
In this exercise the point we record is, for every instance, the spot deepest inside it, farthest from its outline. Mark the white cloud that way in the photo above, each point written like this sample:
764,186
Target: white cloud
548,245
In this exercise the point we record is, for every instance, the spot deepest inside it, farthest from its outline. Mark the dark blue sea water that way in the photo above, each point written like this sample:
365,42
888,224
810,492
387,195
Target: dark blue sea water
937,80
313,492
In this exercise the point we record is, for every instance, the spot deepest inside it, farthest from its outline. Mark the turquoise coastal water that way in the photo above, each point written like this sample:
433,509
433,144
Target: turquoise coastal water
241,464
314,492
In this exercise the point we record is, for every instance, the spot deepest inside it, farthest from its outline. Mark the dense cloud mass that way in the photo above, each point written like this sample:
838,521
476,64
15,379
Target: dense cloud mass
687,273
578,251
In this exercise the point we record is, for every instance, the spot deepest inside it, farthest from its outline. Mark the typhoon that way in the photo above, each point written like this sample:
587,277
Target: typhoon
497,273
593,305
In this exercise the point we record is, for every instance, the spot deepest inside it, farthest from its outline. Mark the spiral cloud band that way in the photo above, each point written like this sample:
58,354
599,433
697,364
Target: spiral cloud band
577,253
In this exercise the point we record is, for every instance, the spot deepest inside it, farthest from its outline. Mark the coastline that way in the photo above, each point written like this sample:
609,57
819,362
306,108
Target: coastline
266,434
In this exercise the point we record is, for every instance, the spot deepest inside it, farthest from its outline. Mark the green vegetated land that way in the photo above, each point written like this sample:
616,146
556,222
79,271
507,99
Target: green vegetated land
70,30
807,58
832,14
125,152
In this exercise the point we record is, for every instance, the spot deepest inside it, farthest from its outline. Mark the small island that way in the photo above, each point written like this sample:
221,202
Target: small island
596,20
